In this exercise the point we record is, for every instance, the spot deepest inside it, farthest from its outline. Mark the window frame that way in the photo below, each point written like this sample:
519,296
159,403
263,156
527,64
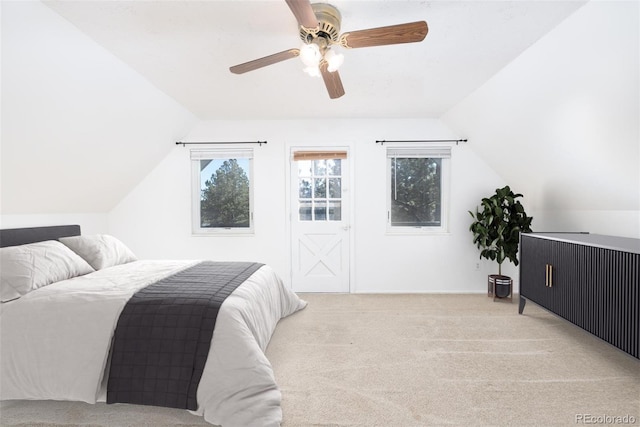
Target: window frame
196,155
420,151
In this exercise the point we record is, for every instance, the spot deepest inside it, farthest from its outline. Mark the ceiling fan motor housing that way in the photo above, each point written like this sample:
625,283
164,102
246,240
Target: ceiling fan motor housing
329,20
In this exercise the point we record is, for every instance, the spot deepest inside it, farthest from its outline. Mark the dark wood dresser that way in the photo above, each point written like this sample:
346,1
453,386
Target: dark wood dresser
591,280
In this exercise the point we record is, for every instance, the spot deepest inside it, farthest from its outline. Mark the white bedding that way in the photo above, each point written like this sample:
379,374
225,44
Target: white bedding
54,341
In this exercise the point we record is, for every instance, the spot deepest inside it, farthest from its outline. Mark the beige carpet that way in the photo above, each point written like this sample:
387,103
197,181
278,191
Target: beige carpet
414,360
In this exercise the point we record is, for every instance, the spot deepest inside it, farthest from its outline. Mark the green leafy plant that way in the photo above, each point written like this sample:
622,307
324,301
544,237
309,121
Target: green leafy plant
496,228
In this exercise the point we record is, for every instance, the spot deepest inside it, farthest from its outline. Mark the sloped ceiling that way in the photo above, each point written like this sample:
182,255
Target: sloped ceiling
185,48
94,93
567,135
79,127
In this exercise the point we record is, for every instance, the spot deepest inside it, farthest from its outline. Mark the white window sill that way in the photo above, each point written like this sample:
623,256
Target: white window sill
223,233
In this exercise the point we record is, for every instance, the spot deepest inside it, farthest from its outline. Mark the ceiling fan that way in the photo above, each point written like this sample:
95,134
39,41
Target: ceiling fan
320,31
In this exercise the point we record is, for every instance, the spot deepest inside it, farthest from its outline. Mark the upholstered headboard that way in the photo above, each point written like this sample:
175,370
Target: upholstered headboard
22,236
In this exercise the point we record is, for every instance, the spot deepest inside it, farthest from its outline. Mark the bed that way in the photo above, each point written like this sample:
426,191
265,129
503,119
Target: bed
57,337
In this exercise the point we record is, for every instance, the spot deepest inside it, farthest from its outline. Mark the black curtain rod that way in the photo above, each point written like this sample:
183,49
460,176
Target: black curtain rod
184,144
381,142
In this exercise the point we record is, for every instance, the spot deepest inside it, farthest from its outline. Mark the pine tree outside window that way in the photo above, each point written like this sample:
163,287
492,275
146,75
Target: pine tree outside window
417,189
222,191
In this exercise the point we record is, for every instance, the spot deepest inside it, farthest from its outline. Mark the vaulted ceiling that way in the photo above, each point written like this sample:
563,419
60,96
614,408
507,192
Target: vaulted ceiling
103,89
185,48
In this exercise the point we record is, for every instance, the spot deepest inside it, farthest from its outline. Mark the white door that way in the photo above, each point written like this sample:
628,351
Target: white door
319,221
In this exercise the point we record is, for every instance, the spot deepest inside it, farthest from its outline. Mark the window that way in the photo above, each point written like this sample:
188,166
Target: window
319,185
417,192
222,193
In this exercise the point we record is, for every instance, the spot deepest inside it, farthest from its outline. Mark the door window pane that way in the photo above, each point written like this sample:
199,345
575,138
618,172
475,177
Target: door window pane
335,211
320,188
335,188
305,188
305,211
304,168
320,211
319,167
334,167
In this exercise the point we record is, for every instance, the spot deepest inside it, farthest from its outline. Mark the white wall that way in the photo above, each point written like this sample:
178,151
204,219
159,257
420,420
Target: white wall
79,127
610,222
561,123
154,219
89,223
431,263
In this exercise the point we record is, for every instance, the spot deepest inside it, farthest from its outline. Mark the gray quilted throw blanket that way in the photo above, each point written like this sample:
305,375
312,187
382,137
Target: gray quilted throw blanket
163,335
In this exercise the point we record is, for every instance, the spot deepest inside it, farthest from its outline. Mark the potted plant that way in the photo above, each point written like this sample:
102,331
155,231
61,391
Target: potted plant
496,231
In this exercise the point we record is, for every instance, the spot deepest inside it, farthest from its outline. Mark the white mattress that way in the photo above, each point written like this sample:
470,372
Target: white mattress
55,341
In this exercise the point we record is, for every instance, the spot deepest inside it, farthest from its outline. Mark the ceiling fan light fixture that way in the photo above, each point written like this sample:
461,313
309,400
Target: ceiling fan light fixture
334,60
310,55
312,71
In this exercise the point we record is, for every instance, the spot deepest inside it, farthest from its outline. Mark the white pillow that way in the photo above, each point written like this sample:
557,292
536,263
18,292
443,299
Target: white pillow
28,267
100,251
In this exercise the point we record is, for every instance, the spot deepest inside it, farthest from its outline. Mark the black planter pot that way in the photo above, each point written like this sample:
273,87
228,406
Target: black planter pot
499,286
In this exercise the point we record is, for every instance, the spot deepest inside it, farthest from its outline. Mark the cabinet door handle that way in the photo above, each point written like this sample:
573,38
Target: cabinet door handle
546,275
550,275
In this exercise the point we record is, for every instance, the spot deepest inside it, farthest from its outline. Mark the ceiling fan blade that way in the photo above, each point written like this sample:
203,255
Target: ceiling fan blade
303,12
263,62
331,81
394,34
